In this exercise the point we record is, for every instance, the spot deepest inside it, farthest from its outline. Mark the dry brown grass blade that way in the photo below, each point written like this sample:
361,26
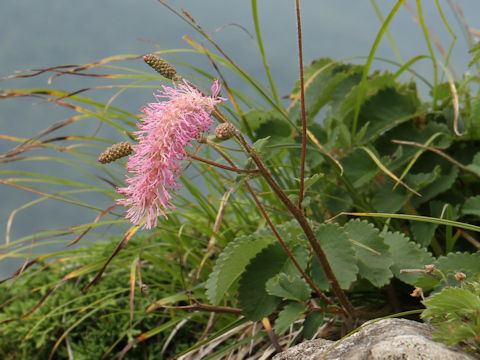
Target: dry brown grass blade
24,267
453,89
126,238
74,69
438,152
132,289
216,228
97,219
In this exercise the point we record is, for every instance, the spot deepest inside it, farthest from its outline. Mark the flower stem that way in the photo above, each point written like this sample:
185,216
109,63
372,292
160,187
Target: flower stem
302,105
303,222
276,233
225,167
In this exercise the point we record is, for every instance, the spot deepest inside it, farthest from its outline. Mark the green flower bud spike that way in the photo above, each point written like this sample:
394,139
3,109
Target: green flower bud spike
161,66
115,152
225,131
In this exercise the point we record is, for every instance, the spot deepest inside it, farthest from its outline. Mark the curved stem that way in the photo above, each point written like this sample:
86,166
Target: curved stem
303,222
276,233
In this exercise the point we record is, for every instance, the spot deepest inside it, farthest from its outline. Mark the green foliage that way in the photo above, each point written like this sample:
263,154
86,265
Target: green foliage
455,313
253,298
95,324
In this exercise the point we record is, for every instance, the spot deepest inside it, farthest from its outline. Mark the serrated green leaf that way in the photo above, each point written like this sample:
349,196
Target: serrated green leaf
340,255
472,206
300,252
238,253
389,107
451,302
406,255
288,287
232,262
465,262
253,298
373,267
374,85
313,321
287,316
455,313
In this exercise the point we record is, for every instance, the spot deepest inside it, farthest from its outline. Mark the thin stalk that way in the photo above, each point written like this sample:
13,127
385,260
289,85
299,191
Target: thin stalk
308,231
262,52
430,50
389,35
302,104
368,64
285,247
225,167
276,233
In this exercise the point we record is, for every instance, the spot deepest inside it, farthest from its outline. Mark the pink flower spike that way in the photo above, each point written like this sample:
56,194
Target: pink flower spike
166,130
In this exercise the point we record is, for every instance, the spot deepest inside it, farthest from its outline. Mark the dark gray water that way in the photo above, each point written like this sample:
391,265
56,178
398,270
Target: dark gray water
52,32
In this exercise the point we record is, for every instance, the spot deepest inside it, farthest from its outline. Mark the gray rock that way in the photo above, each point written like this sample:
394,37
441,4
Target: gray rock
389,339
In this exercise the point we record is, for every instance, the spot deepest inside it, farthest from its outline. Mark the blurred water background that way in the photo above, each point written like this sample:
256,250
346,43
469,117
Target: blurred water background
39,34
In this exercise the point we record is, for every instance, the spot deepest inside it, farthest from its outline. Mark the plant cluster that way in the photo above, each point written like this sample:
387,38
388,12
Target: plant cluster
310,219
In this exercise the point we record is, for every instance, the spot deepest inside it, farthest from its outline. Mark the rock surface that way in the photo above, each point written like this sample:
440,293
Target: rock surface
389,339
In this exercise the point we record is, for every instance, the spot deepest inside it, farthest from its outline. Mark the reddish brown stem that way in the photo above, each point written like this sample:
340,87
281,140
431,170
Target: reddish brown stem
285,247
277,235
225,167
302,105
303,222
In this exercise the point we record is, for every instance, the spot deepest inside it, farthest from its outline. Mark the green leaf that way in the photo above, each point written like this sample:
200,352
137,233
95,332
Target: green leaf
259,145
232,262
465,262
253,298
288,287
300,252
375,84
441,184
475,165
313,321
406,255
450,302
472,206
387,199
338,249
287,316
359,167
238,253
388,108
373,267
423,232
309,181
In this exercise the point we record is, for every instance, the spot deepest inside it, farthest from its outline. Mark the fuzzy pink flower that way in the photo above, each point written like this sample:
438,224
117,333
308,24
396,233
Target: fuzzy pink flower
166,130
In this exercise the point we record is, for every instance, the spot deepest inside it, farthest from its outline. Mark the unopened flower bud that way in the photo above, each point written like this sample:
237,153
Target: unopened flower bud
161,66
429,268
417,292
225,131
459,276
115,152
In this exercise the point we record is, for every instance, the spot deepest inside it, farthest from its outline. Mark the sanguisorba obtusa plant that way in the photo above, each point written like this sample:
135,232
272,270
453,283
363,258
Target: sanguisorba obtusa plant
260,238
